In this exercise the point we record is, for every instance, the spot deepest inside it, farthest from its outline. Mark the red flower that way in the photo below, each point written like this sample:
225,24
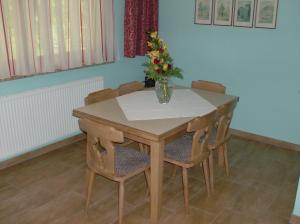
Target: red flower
161,50
169,66
156,61
158,70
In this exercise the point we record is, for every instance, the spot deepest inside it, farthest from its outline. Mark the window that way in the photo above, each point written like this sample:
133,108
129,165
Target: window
38,36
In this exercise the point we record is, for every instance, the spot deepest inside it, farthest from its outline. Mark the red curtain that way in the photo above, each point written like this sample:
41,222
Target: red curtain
141,16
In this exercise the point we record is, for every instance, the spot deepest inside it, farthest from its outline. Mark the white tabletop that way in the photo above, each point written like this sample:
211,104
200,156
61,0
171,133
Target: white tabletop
144,105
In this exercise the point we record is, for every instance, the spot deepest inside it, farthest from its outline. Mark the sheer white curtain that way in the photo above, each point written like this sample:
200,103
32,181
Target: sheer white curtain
38,36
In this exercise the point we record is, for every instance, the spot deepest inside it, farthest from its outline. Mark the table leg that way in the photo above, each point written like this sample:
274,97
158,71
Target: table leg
157,154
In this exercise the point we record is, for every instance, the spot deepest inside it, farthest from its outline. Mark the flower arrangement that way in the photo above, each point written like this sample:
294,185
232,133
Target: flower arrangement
160,64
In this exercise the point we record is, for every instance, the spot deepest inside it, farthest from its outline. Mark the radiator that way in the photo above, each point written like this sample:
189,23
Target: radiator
33,119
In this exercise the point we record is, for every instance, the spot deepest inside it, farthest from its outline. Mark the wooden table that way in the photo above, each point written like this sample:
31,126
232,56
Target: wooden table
154,133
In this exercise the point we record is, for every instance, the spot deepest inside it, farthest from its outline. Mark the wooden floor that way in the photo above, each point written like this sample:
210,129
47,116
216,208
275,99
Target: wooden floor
50,189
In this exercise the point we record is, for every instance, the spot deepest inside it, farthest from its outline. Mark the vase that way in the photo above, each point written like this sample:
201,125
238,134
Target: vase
163,89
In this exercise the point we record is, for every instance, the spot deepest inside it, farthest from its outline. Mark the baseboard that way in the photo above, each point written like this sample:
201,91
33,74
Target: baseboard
265,140
294,219
41,151
76,138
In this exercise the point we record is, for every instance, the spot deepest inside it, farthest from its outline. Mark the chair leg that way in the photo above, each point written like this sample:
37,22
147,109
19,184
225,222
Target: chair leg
147,176
206,176
90,182
121,201
141,147
174,171
226,159
221,156
211,171
144,148
185,189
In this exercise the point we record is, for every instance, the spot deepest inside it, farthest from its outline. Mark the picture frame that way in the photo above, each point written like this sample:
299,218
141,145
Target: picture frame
203,12
223,10
266,14
244,13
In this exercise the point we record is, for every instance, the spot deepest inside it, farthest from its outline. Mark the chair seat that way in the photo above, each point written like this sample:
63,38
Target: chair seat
180,149
128,160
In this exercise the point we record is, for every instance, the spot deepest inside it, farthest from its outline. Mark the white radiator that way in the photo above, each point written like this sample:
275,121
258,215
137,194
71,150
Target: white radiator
33,119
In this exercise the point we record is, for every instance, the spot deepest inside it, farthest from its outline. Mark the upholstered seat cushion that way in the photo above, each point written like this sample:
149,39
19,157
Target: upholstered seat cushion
128,160
180,149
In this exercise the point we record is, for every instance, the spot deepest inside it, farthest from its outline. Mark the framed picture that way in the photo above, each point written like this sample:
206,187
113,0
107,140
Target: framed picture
223,12
266,14
203,11
244,13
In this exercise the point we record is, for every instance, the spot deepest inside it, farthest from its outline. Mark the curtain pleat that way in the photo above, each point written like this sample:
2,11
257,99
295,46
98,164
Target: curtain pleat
39,36
141,16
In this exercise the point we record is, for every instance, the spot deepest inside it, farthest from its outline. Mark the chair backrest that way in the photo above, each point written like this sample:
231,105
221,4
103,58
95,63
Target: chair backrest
224,116
210,86
100,147
201,126
100,95
130,87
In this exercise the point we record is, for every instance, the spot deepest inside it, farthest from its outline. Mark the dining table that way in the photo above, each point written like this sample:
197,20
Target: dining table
154,133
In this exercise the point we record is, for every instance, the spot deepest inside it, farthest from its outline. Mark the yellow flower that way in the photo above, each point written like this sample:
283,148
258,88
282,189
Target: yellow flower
153,35
165,67
154,54
149,44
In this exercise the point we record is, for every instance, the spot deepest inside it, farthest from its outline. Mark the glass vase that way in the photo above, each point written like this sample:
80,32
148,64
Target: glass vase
163,89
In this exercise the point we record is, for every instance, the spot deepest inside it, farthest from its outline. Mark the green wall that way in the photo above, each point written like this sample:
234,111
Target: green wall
124,70
261,66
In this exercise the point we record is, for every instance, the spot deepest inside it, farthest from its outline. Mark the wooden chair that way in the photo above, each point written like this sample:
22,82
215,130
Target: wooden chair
219,138
100,95
130,87
191,149
113,162
209,86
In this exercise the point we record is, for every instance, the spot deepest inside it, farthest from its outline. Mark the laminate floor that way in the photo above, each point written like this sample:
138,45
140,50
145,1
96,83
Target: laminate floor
51,189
